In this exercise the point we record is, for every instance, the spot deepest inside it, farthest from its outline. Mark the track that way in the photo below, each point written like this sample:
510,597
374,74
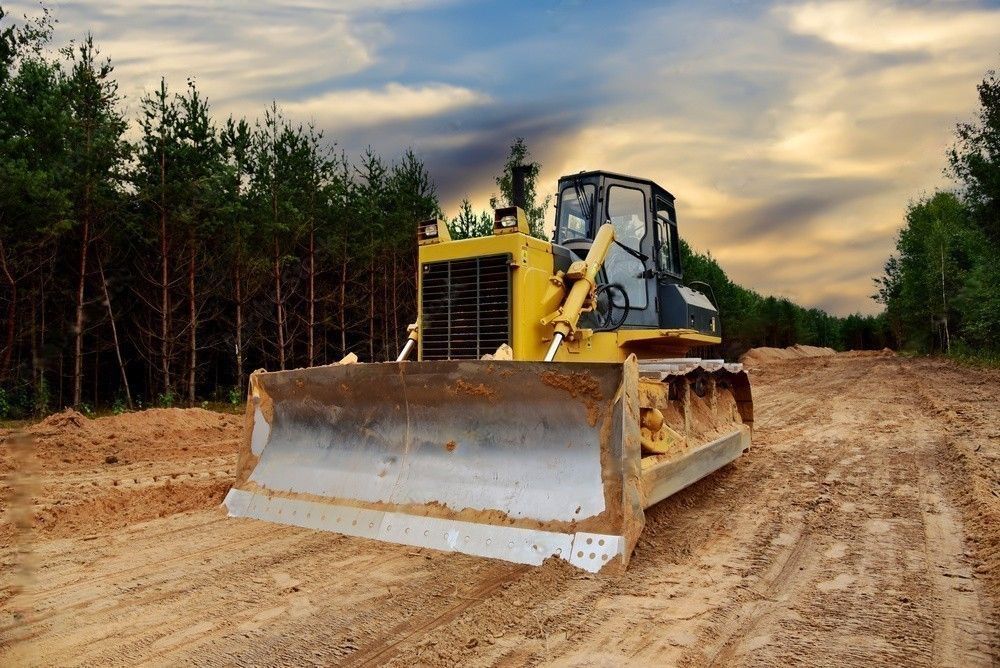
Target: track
861,529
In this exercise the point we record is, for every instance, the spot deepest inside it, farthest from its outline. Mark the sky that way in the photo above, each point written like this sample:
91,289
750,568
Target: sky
792,134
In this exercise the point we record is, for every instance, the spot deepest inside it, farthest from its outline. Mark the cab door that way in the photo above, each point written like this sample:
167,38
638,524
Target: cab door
628,210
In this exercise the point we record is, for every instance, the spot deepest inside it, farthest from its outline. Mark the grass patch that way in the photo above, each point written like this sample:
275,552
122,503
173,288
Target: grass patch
978,358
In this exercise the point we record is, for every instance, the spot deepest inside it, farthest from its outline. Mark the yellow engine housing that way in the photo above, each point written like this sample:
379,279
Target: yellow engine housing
534,295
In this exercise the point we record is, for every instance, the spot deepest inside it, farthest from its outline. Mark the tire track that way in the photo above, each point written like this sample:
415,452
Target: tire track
412,630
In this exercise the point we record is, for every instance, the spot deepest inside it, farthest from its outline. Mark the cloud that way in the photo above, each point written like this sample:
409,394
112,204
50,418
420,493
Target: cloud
792,161
879,27
240,53
352,108
793,135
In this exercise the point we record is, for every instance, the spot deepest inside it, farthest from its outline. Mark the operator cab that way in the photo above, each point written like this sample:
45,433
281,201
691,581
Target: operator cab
640,285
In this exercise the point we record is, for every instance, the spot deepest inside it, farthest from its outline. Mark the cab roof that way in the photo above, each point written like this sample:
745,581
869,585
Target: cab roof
616,175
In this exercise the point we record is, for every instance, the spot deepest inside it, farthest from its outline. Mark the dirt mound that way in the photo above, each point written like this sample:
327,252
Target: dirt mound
764,355
116,508
71,474
66,420
70,439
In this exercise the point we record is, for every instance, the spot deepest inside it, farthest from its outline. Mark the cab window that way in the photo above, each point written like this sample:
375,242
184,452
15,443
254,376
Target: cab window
668,252
575,207
627,212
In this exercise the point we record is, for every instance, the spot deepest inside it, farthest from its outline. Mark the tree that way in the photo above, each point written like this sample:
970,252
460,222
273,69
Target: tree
974,160
34,200
921,283
518,154
97,151
318,172
200,168
413,198
371,215
237,231
468,224
158,190
241,245
276,186
342,239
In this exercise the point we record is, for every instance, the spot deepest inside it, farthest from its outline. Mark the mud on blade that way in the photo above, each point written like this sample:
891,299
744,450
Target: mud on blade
511,460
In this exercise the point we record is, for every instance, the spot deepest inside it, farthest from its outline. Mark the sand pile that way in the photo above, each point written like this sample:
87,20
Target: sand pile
105,508
73,474
764,354
70,438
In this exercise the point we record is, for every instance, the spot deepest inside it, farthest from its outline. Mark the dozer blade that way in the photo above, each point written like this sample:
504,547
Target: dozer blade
518,461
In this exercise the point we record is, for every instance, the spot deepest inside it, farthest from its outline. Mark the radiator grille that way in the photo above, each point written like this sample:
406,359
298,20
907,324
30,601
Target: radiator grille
465,307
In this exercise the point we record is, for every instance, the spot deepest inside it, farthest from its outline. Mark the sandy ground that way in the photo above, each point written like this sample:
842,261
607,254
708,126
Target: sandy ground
764,355
862,529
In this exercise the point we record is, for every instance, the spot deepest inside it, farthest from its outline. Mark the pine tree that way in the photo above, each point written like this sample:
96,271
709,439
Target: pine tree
201,170
158,190
237,233
518,154
98,151
468,224
35,207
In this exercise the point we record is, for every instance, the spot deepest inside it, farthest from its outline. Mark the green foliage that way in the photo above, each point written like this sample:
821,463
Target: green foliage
971,357
941,288
236,396
534,211
119,405
468,224
974,160
750,319
22,400
43,397
165,400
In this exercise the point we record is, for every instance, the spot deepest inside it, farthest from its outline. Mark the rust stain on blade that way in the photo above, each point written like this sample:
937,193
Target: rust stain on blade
473,390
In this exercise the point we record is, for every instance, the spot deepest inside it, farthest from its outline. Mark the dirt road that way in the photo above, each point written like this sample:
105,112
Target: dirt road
863,528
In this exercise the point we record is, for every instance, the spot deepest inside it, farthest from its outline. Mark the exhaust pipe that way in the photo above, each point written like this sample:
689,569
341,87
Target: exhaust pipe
519,179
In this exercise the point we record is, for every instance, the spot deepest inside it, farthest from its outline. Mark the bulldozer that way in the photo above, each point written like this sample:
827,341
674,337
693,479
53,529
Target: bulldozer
547,394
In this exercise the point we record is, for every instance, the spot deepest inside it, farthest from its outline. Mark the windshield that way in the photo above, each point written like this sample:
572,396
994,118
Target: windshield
576,204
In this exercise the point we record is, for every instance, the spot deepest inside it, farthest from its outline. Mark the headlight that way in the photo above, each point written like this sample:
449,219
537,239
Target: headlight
432,232
509,219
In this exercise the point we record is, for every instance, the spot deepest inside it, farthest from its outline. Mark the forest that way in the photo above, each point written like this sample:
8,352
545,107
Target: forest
941,288
158,260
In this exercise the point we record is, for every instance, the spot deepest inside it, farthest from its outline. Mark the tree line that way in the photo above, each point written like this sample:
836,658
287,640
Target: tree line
941,287
157,260
750,319
163,269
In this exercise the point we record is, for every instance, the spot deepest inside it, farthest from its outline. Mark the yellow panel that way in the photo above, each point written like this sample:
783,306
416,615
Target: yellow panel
534,297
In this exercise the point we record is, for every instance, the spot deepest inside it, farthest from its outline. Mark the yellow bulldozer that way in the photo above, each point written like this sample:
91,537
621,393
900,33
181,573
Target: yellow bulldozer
546,395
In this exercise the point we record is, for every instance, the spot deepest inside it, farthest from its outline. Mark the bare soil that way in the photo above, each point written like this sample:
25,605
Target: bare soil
766,355
863,528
